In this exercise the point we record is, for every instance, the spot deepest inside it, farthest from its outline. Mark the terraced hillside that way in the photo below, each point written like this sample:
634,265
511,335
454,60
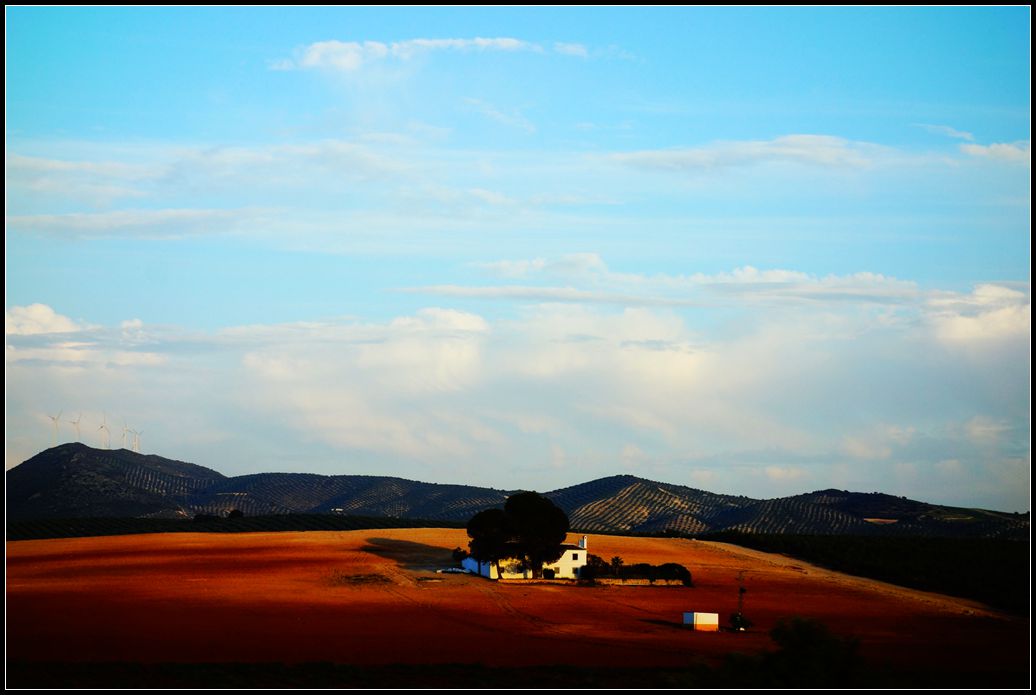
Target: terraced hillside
906,517
74,480
353,495
625,503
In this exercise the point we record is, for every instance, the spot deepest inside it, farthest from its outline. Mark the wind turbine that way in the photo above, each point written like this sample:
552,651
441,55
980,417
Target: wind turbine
107,433
125,429
54,419
75,423
136,441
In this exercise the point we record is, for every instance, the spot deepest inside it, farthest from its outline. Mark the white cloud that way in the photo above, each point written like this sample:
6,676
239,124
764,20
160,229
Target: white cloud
985,430
144,223
513,118
746,283
340,55
82,354
167,173
436,319
491,197
784,473
950,468
379,388
812,150
286,164
1018,152
406,49
990,314
37,319
865,448
97,183
351,56
22,165
703,477
947,131
512,269
571,49
568,266
451,395
546,294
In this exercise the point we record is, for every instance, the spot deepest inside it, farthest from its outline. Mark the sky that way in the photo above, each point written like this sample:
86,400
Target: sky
757,251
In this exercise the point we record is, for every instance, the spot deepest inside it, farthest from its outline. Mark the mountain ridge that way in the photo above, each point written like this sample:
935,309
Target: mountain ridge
78,481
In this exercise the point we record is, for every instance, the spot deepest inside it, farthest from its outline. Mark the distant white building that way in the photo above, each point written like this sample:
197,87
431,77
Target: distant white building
569,566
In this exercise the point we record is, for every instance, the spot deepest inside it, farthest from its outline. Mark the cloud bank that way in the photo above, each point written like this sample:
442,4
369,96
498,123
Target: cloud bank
352,56
807,397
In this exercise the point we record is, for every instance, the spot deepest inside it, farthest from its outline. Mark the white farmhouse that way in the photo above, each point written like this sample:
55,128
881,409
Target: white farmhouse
569,566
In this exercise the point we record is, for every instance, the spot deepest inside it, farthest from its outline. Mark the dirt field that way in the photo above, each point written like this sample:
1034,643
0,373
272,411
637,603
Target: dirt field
373,598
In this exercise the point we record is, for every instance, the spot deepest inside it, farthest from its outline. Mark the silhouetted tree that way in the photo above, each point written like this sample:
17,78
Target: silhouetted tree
674,570
529,527
489,534
538,528
235,514
595,567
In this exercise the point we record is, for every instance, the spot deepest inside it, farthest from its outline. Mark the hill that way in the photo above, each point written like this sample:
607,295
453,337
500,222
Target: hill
77,481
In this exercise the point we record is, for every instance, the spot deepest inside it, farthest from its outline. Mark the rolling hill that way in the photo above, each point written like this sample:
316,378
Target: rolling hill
77,481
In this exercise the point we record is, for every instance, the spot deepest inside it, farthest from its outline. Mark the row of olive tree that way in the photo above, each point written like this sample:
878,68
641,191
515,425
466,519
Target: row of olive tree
529,528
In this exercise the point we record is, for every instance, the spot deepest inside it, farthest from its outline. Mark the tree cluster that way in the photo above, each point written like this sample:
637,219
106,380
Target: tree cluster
529,528
598,568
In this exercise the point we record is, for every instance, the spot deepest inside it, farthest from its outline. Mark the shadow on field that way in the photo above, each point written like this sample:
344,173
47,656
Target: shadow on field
666,623
410,555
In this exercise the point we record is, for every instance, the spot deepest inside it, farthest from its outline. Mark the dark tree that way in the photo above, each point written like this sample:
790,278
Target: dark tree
529,527
235,514
596,567
538,527
489,534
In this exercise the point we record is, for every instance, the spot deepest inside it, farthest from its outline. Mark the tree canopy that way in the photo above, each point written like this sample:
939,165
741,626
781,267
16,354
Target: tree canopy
530,527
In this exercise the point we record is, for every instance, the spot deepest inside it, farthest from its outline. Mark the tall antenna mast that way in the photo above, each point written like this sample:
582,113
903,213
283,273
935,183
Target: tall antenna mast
738,621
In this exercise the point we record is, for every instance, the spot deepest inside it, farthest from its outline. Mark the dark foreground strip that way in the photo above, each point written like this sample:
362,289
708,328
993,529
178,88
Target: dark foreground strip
735,672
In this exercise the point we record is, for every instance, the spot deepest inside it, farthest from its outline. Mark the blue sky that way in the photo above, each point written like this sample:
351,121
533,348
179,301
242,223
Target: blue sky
756,250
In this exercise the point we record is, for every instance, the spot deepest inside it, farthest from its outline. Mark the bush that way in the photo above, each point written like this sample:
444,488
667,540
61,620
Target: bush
673,570
598,568
808,656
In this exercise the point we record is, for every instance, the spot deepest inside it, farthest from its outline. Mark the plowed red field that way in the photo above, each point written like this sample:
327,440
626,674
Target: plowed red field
373,597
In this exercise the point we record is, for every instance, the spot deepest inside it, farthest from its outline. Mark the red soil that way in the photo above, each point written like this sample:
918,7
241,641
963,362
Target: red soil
372,597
